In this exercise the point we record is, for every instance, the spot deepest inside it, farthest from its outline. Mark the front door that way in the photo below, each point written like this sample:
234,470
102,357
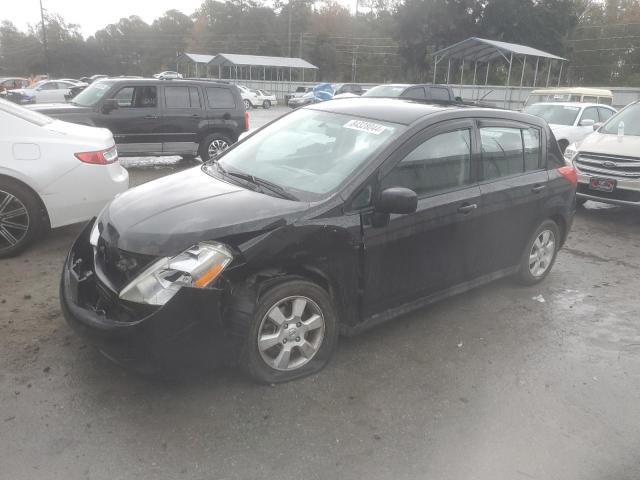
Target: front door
513,185
136,124
183,115
426,252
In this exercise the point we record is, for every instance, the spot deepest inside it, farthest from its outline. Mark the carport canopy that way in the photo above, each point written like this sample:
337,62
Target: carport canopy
249,63
194,61
475,50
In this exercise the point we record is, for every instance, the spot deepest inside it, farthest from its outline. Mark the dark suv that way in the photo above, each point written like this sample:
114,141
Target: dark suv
334,218
155,117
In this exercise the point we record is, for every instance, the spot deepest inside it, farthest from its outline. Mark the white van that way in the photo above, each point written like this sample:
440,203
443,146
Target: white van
573,94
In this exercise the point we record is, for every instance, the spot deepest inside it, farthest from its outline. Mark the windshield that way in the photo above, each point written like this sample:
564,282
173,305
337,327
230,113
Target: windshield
28,115
308,152
630,116
385,91
556,114
92,94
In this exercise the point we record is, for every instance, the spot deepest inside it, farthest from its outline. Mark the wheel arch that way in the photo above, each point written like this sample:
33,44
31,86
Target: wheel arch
32,190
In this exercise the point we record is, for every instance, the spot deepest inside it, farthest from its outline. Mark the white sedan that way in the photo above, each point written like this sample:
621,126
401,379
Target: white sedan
52,173
265,99
168,75
46,91
571,121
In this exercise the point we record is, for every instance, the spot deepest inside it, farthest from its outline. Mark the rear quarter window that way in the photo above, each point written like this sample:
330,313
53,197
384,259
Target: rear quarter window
220,97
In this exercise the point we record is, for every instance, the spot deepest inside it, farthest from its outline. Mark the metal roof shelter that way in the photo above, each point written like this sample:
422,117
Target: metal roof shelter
249,63
194,59
481,50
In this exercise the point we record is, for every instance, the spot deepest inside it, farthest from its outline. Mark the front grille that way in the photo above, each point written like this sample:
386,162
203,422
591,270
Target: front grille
119,267
608,165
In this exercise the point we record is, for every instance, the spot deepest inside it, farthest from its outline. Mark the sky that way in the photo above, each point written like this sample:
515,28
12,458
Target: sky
91,15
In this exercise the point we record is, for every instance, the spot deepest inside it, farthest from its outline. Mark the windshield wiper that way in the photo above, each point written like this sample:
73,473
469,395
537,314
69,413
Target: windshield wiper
277,189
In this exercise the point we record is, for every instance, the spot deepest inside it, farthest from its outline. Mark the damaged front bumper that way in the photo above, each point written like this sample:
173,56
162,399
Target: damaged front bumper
188,332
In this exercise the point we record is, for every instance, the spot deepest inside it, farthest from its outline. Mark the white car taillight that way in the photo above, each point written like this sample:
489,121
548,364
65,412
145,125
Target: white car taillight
100,157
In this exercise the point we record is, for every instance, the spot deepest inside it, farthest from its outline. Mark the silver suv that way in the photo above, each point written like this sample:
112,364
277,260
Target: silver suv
608,160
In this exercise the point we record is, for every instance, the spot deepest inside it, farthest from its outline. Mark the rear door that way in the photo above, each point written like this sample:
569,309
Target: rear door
136,125
514,187
221,109
182,118
434,248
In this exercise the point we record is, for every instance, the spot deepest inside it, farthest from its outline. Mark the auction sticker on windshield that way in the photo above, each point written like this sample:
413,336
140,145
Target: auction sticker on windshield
364,126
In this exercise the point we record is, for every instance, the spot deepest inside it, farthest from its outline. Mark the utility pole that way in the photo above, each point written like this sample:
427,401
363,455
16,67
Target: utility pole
44,38
289,41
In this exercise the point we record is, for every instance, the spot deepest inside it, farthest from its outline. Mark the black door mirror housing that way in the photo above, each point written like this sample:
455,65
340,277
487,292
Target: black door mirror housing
109,105
398,200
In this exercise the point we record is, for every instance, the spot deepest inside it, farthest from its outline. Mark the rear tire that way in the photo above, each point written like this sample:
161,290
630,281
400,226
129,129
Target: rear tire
540,253
580,201
266,104
299,342
213,144
21,218
247,104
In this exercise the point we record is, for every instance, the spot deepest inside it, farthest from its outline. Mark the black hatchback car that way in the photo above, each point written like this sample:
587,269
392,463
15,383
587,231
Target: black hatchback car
156,117
332,219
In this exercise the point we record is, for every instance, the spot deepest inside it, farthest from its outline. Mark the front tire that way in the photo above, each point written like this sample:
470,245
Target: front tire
247,104
291,334
21,218
212,145
540,253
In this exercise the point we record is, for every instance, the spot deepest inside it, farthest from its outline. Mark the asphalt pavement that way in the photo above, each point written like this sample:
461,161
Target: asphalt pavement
505,382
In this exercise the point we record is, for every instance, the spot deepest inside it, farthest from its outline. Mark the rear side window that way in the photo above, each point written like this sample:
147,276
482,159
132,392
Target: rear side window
589,99
440,163
509,151
438,93
220,97
181,97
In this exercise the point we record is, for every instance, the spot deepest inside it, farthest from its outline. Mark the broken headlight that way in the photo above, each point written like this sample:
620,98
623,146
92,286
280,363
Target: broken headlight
196,267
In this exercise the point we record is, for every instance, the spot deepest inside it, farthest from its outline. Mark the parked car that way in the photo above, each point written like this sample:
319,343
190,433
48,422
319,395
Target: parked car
334,218
45,91
608,160
427,91
353,88
52,173
320,93
249,97
73,80
13,83
265,99
156,117
571,94
168,75
571,122
299,92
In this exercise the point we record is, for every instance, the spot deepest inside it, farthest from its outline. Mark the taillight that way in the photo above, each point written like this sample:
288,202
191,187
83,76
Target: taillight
246,121
100,157
570,174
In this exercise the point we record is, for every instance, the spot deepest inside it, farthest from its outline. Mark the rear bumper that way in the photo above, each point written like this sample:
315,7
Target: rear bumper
627,192
185,334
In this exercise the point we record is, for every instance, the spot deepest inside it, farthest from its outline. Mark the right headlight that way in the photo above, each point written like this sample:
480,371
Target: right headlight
570,153
196,267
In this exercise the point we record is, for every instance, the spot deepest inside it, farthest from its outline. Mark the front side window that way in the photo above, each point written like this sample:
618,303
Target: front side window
309,152
416,92
590,113
630,119
48,86
137,97
509,151
440,163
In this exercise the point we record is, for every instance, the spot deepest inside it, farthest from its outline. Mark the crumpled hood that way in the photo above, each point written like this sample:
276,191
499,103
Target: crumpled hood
611,144
168,215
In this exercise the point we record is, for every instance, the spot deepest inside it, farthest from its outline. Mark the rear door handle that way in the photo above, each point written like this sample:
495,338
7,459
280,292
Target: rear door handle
467,208
538,188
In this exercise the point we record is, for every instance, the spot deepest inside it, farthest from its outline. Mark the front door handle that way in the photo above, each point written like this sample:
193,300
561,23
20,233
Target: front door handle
195,115
150,116
467,208
538,188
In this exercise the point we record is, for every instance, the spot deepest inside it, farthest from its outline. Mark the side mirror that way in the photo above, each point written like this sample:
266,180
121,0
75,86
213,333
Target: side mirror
109,105
587,122
458,99
597,126
397,200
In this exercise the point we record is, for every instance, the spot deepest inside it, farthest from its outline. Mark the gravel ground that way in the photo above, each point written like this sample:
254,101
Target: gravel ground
504,382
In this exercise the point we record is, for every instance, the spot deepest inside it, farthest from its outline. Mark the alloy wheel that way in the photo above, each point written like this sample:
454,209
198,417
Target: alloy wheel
14,220
247,104
542,252
291,333
217,146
